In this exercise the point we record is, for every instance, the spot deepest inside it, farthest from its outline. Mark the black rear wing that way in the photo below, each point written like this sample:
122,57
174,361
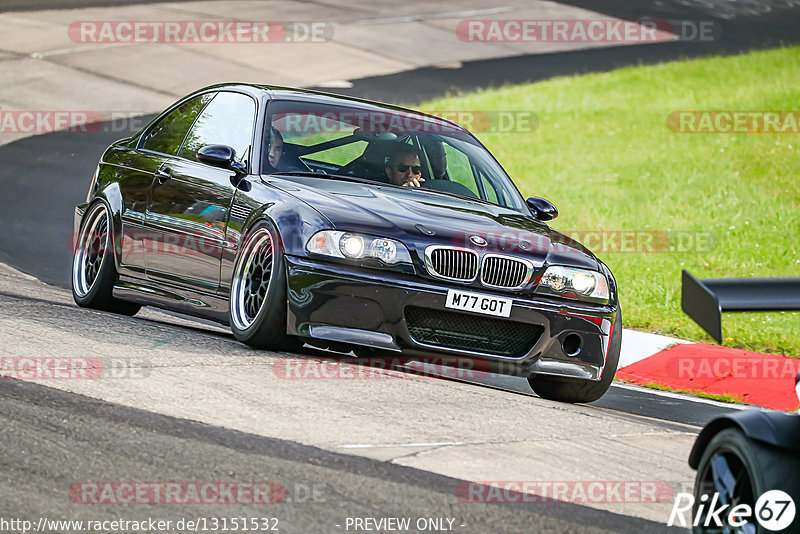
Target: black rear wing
705,300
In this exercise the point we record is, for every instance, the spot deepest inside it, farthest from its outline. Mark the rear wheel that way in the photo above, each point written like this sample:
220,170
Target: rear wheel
258,292
93,267
577,390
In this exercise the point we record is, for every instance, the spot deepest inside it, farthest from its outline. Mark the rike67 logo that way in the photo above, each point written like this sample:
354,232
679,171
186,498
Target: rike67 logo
774,511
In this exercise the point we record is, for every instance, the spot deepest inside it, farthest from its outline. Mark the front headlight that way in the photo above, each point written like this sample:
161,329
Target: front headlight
574,283
349,245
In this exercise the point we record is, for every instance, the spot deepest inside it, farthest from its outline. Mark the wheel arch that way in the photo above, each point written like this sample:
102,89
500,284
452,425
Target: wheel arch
257,216
111,196
295,223
271,213
778,429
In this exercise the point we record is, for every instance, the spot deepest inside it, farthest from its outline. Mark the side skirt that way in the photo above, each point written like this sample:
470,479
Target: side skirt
190,302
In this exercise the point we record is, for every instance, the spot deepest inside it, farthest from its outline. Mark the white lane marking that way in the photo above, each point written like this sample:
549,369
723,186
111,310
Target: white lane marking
433,444
636,346
83,48
336,84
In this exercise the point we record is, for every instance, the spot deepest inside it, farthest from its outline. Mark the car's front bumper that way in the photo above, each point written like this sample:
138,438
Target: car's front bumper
358,306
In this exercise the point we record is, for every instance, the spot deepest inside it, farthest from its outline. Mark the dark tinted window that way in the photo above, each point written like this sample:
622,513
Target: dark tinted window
167,135
331,140
228,120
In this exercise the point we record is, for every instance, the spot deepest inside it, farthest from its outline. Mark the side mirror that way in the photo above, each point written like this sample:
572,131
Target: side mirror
542,209
220,156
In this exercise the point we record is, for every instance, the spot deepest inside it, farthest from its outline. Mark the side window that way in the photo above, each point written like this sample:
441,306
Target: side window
167,135
459,169
497,191
491,192
228,120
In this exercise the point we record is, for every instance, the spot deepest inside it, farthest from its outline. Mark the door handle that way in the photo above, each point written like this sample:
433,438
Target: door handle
163,174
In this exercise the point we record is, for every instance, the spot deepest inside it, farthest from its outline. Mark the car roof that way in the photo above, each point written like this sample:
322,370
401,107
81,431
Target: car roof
277,92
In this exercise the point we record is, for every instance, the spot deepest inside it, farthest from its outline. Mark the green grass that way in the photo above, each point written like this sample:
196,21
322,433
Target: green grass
603,154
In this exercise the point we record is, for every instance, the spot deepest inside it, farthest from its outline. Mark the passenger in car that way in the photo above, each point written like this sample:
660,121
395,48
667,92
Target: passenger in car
275,148
404,167
279,159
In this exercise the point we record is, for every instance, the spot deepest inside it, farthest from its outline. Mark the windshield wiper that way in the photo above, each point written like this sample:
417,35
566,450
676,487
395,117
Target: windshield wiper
448,193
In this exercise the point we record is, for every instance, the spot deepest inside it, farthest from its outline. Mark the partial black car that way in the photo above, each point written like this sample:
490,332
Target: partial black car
320,247
738,458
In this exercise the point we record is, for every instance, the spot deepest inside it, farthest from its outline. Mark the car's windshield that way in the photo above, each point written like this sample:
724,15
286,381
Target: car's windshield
384,146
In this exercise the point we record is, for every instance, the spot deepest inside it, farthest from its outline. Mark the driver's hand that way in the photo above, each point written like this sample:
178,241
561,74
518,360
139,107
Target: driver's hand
414,181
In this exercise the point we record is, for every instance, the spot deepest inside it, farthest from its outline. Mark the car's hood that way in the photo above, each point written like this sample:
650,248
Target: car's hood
422,217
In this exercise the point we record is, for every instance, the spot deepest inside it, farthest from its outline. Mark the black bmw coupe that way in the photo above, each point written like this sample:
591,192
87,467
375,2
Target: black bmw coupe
302,217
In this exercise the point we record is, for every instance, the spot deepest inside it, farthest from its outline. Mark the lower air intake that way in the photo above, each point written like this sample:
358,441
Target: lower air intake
471,332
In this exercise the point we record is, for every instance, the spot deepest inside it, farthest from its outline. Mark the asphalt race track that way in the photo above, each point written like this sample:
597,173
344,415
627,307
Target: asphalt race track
47,175
54,423
178,405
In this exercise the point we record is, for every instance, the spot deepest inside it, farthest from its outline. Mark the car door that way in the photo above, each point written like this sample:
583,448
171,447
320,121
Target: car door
135,172
187,212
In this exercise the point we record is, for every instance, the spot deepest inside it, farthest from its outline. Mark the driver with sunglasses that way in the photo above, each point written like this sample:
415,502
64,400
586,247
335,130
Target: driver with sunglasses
404,167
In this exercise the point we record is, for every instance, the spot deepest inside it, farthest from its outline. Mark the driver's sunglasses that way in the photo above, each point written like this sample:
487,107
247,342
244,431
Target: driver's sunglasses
415,169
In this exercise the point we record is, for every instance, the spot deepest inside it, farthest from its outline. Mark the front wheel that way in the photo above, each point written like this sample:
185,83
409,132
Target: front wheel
258,303
739,470
94,272
577,390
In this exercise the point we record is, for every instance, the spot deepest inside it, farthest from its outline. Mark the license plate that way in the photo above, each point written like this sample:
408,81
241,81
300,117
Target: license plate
478,303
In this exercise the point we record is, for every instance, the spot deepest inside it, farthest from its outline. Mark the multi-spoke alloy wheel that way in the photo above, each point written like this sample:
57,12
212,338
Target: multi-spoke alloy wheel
90,251
258,291
94,272
251,279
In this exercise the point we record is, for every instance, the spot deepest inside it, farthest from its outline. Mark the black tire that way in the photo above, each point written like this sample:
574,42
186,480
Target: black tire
577,390
257,305
756,467
94,270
